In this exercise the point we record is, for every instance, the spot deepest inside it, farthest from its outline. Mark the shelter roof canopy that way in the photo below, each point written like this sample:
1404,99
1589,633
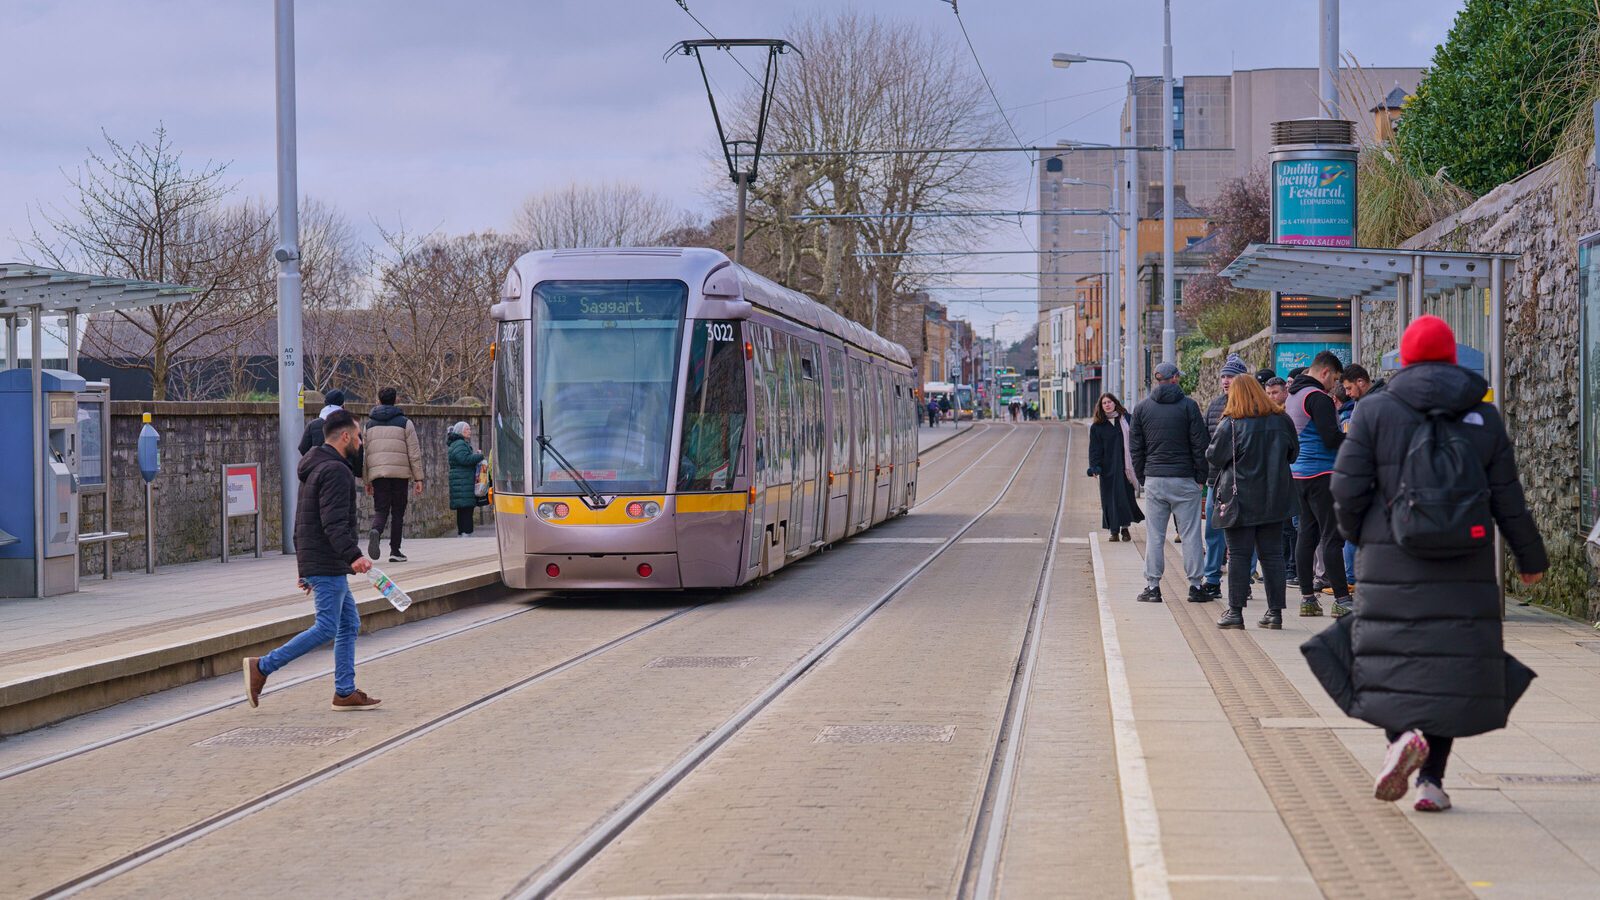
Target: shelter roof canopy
1360,272
27,286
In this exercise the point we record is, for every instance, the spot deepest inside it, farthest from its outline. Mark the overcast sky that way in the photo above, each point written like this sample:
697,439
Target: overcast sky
446,115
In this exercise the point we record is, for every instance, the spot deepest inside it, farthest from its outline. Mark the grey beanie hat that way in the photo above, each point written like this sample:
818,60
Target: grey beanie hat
1234,366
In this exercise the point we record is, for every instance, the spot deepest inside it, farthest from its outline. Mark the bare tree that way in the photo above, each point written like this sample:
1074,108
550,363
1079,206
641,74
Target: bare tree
866,83
141,213
597,215
332,270
429,320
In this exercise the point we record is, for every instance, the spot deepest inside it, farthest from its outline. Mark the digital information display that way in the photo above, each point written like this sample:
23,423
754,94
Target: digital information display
1301,314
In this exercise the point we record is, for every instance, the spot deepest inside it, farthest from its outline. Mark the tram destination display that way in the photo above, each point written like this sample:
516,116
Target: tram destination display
1302,314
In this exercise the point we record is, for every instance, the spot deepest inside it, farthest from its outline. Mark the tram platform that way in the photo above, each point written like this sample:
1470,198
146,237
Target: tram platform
137,633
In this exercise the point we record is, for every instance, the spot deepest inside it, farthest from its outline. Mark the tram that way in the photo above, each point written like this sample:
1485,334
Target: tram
663,418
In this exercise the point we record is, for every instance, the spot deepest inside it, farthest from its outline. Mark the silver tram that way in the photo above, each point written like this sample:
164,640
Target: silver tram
663,418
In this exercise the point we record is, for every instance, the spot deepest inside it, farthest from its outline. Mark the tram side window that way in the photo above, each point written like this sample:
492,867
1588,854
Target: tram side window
841,413
510,393
713,408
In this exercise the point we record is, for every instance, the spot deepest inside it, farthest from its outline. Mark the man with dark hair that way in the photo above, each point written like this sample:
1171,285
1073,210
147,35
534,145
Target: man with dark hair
391,464
327,552
1357,383
313,435
1168,440
1316,419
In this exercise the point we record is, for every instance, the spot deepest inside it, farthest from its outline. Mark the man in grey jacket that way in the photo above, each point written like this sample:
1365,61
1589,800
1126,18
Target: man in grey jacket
1169,440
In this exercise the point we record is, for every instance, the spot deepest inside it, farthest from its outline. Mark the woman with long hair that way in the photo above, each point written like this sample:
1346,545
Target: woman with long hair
1111,461
1253,447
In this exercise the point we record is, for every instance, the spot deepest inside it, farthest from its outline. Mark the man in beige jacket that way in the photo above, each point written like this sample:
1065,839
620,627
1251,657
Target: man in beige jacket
393,458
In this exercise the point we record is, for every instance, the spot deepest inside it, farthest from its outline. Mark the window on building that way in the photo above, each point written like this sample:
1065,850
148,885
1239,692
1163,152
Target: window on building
1589,377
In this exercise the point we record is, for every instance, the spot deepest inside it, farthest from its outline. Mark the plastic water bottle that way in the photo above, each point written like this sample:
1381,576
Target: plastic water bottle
390,591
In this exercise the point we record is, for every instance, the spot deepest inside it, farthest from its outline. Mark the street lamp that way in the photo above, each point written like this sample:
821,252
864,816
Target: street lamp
1130,285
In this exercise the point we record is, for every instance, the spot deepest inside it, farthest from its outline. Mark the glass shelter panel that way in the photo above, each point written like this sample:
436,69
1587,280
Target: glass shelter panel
1589,374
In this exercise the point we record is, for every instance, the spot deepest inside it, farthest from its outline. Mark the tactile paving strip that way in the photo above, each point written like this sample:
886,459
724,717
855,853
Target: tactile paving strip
1354,845
886,734
278,736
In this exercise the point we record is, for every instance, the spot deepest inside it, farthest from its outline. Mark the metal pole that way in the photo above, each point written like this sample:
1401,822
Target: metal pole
738,220
291,381
1497,381
36,357
72,341
1414,302
11,341
1328,57
1130,257
1356,344
149,528
1169,311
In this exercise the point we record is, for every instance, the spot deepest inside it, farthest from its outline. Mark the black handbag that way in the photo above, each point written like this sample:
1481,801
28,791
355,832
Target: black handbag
1227,489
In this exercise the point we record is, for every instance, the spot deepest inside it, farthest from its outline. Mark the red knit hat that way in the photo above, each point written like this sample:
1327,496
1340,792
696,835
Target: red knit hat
1428,339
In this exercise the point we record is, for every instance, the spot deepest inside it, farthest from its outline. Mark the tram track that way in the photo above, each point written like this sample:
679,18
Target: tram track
543,882
966,470
156,849
956,443
187,834
980,880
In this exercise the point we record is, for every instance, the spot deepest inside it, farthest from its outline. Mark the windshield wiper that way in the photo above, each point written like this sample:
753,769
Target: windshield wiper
595,500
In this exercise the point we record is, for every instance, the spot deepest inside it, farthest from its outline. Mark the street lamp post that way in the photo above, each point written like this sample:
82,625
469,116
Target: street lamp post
1130,207
1169,308
291,417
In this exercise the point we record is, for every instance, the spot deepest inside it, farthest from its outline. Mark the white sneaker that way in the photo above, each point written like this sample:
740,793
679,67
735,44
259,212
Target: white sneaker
1406,755
1431,797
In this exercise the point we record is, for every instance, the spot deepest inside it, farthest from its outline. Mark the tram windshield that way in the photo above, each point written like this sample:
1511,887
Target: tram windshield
605,362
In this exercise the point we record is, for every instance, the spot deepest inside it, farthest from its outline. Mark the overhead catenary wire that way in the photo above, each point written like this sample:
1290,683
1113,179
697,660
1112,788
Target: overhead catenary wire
684,5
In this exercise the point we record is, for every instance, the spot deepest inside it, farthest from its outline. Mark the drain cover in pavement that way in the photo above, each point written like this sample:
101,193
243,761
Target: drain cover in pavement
886,734
700,662
280,736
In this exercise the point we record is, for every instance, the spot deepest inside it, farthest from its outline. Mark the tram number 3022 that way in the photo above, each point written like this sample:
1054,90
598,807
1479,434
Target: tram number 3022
719,331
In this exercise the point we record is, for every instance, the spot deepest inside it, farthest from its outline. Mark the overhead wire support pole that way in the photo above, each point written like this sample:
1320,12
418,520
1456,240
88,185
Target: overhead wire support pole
291,380
734,149
1169,301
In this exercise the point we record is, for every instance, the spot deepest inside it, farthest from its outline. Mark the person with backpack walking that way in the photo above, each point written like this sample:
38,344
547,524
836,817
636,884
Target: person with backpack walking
1167,435
327,551
392,468
1111,460
1427,474
1252,451
933,412
1316,422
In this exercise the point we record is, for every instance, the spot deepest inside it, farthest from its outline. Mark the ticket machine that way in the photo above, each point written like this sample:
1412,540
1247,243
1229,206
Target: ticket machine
25,504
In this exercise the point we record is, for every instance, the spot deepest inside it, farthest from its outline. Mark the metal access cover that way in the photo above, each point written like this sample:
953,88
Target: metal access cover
700,662
886,734
278,736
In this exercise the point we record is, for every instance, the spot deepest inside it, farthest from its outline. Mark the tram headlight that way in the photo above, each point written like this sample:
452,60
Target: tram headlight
643,509
651,509
549,510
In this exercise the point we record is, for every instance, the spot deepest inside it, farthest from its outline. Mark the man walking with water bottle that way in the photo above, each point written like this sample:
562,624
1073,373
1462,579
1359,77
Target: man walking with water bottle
327,552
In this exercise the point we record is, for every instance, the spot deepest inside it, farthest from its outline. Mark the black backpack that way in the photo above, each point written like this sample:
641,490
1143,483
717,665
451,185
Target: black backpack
1441,509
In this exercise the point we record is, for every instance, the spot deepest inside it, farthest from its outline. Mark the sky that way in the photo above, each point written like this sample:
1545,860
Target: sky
441,115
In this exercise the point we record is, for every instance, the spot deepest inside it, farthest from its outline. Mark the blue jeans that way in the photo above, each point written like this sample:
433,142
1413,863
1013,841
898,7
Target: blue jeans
337,620
1216,541
1349,562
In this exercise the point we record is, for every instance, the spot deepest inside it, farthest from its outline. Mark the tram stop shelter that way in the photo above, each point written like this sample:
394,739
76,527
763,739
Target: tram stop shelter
1467,290
35,294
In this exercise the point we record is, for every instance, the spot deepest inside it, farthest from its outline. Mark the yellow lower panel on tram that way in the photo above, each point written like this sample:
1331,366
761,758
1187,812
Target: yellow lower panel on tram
704,503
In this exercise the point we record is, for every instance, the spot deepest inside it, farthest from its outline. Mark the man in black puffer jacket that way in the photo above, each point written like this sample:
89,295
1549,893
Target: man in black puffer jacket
1424,657
1167,437
327,552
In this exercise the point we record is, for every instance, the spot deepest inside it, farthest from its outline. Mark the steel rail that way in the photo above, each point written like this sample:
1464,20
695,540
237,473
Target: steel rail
543,882
63,755
946,486
217,821
988,835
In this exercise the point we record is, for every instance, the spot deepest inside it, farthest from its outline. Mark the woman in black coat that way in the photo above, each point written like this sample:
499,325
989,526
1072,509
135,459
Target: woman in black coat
1110,461
1253,447
1424,658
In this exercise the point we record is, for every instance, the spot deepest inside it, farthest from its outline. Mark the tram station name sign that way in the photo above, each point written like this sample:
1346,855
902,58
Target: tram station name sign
1315,202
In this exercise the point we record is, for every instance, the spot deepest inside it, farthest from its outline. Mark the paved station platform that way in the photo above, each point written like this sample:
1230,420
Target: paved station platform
963,702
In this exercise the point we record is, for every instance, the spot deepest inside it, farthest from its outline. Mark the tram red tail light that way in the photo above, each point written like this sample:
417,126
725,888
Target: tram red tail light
636,510
561,510
749,350
553,510
645,570
553,570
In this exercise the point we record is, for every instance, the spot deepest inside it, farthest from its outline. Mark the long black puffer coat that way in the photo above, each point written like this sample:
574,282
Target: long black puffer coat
1424,645
1252,458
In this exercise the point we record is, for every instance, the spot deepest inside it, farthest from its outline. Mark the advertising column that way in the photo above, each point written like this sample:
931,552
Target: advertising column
1314,204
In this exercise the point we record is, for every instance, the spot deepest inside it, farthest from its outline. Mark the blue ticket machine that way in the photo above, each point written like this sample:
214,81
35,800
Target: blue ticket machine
57,503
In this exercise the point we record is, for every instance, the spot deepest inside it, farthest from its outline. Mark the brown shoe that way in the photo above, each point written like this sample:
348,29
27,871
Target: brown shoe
254,681
355,700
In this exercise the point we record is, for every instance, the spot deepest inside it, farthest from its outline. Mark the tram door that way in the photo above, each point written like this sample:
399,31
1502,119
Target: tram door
861,480
767,512
811,493
883,460
838,517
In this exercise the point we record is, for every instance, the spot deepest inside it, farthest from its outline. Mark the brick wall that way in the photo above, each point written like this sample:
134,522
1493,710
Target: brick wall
197,439
1541,366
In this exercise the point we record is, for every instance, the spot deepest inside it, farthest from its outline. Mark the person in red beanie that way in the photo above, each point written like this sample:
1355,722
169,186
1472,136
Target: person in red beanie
1423,655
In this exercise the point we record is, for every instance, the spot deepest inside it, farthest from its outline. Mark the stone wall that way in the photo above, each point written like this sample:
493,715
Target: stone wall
1255,350
1541,365
197,439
